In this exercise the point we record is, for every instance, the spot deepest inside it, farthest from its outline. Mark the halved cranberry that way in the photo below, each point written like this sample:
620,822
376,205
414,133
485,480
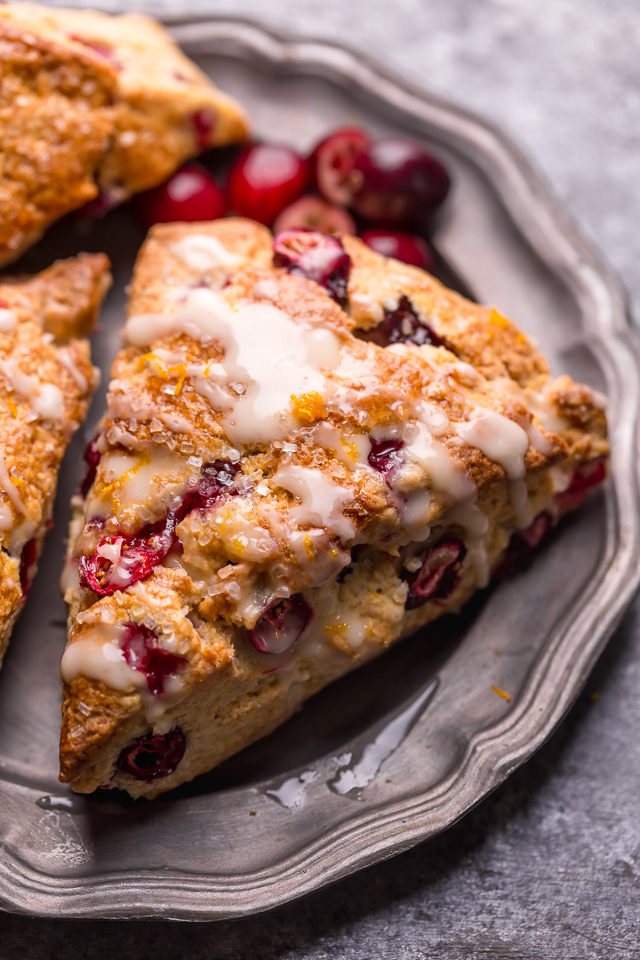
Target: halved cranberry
402,326
154,756
586,476
92,459
332,161
97,47
134,559
521,544
142,652
190,195
316,256
385,455
203,123
407,247
264,180
438,576
28,561
397,181
314,213
281,625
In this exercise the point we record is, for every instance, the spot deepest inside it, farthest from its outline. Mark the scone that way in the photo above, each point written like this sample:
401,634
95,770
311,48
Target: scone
46,380
309,452
93,105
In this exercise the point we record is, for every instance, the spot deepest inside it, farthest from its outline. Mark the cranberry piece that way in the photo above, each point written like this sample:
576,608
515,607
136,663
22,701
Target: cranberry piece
438,576
586,476
97,47
28,560
92,459
137,557
264,180
385,455
154,756
142,652
401,246
99,207
190,195
332,161
402,326
203,123
396,181
522,543
316,256
314,213
281,625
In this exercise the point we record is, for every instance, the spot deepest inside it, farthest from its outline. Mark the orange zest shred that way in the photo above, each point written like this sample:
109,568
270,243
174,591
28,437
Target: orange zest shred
152,358
335,629
122,479
181,370
17,482
12,406
351,448
502,693
499,321
308,546
308,407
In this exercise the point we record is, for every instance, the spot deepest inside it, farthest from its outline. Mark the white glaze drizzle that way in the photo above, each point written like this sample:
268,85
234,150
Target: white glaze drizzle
10,488
45,399
7,320
201,253
498,438
322,499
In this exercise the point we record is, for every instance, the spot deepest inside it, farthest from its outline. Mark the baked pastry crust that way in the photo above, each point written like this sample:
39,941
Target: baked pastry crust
94,104
319,482
46,380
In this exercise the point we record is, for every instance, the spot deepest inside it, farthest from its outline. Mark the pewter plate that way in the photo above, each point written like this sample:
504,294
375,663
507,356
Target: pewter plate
401,749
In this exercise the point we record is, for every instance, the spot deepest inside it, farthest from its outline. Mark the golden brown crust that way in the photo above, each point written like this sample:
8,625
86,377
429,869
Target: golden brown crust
46,380
310,515
92,102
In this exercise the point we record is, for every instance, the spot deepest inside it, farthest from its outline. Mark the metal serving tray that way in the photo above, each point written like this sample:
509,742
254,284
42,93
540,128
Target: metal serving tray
402,748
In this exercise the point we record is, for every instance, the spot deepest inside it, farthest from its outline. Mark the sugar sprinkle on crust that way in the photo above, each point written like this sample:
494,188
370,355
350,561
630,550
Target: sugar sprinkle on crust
91,104
46,381
273,478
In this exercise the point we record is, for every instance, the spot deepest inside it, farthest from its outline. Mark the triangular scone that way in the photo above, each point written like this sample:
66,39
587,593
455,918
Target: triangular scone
309,451
46,380
94,104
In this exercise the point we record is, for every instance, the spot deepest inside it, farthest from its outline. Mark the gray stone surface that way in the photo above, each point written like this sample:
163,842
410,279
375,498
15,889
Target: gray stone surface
549,866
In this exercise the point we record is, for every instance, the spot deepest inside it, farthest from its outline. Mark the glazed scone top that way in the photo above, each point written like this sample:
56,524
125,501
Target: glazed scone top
91,102
234,361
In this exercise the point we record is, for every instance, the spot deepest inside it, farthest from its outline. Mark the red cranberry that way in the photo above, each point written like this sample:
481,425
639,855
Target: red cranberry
142,652
438,576
281,625
397,181
264,180
316,256
189,196
586,476
314,213
154,756
143,552
28,560
402,326
521,544
401,246
92,459
99,207
97,47
203,124
332,161
385,456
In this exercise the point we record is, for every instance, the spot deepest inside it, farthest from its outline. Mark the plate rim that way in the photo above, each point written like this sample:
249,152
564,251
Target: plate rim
540,218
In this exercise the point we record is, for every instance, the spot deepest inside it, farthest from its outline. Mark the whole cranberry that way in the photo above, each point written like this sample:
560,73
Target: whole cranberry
281,625
264,180
143,652
154,756
402,325
386,456
190,195
396,181
332,161
314,213
407,247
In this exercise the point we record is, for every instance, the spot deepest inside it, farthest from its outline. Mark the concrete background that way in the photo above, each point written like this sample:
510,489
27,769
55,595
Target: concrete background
549,866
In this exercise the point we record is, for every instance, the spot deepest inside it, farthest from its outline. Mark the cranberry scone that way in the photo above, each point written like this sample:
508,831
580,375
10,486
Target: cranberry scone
309,452
46,380
94,106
